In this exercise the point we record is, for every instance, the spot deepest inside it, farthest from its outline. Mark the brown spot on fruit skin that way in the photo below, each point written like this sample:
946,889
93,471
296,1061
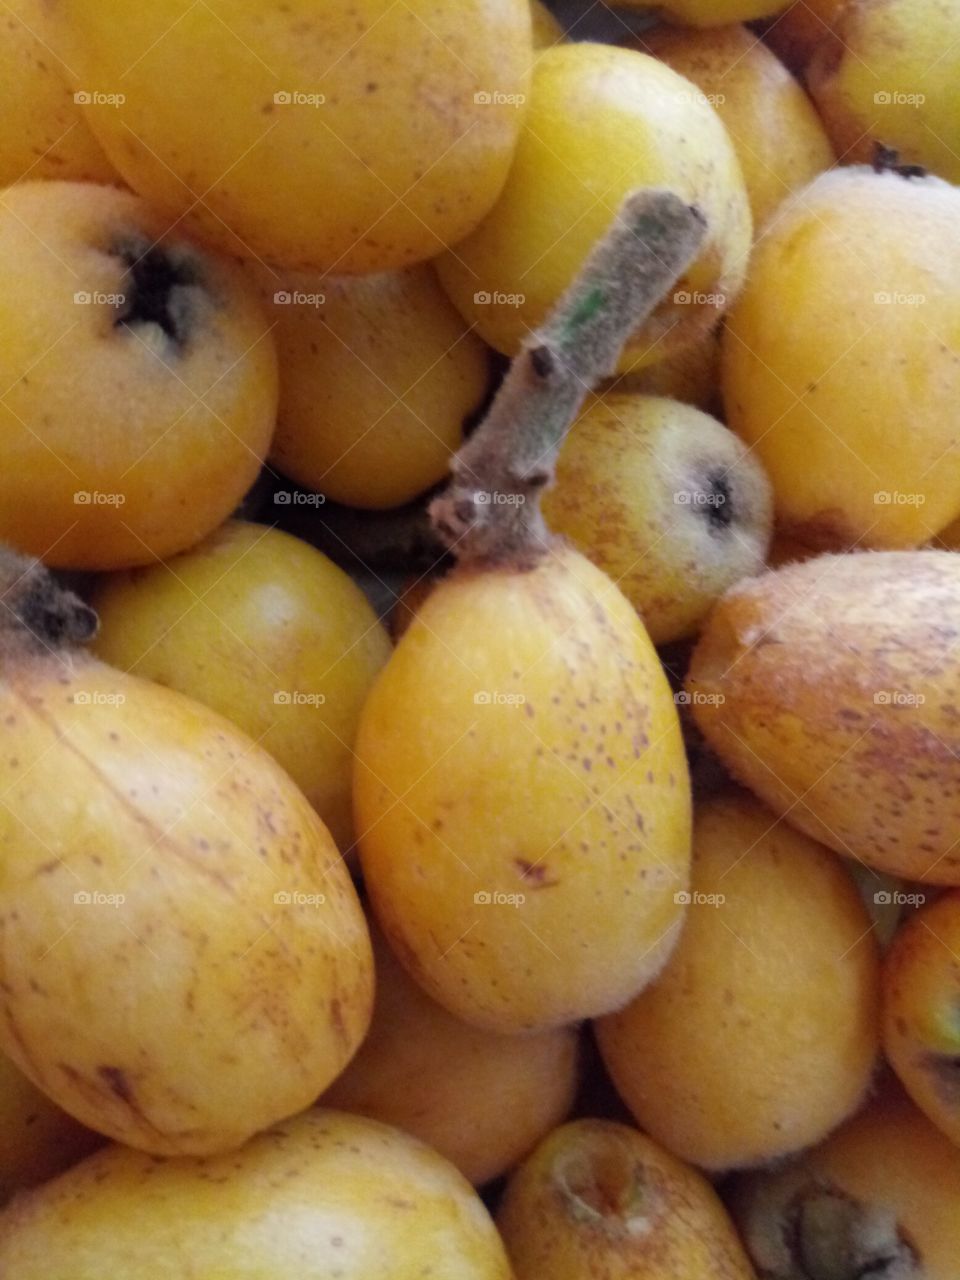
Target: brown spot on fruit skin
536,874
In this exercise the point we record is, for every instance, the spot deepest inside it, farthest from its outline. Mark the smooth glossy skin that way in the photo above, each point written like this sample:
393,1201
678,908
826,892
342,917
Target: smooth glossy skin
43,133
354,136
376,382
599,1199
760,1035
264,629
830,688
323,1195
665,500
837,363
37,1139
890,1160
777,135
522,797
122,441
602,122
891,74
185,959
921,1035
482,1100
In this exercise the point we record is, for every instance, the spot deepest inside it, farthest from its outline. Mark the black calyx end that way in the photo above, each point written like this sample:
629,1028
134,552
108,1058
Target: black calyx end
718,506
887,160
156,288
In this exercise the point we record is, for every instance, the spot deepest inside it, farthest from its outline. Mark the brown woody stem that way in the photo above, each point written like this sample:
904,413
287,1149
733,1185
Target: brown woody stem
490,513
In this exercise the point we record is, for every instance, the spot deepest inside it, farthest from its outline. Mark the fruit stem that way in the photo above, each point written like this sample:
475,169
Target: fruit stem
490,513
36,612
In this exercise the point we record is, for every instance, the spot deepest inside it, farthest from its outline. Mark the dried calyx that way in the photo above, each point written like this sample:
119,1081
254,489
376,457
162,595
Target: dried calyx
160,287
490,513
601,1183
818,1232
36,612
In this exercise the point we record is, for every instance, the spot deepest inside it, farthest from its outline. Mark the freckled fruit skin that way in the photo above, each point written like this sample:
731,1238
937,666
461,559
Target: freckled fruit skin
37,1138
351,136
712,13
890,1159
522,740
120,443
375,384
837,363
266,630
921,1033
599,1199
830,688
42,130
760,1034
667,501
891,74
603,122
323,1195
481,1099
777,135
202,1007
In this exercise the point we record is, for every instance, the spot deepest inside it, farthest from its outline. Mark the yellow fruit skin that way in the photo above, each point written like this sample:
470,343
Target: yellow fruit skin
795,33
264,629
601,123
829,687
547,31
921,1032
630,479
949,539
482,1100
888,1158
691,375
37,1139
847,398
600,1199
352,136
230,980
760,1034
777,135
375,384
891,74
43,133
522,740
119,444
323,1195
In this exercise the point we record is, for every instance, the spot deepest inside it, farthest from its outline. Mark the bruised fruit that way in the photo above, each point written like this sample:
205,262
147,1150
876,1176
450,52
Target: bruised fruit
377,376
777,135
602,122
37,1138
264,629
830,688
921,990
43,133
480,1099
877,1199
838,369
890,72
184,959
600,1199
140,380
352,136
324,1195
522,799
760,1035
667,501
